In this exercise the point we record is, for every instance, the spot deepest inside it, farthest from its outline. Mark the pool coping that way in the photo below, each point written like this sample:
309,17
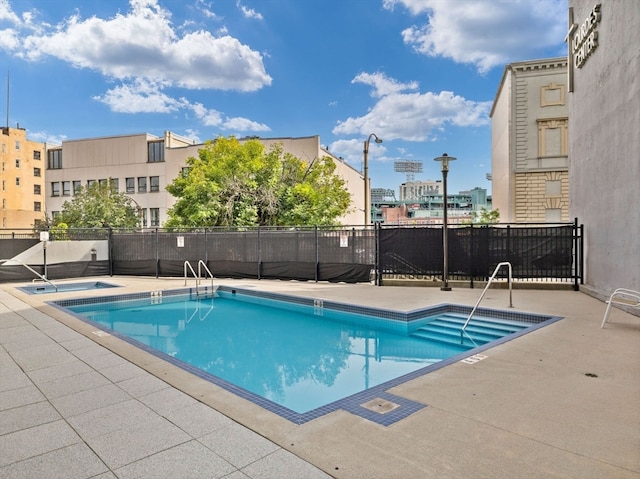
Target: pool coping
354,403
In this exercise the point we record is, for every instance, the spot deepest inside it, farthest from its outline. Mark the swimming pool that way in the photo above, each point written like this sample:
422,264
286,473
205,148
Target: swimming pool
298,357
44,288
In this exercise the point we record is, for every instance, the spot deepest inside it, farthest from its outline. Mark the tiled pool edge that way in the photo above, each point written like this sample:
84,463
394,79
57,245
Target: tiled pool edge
353,403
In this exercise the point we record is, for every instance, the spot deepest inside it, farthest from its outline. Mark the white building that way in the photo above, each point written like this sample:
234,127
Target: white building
529,143
142,165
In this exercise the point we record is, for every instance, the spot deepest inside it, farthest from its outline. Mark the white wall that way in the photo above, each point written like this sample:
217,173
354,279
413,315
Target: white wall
604,142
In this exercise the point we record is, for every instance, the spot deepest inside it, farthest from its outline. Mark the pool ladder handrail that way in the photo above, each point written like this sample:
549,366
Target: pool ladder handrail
198,276
41,276
493,276
627,297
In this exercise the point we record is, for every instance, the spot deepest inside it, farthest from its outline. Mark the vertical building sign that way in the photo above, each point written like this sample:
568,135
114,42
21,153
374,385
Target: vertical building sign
582,40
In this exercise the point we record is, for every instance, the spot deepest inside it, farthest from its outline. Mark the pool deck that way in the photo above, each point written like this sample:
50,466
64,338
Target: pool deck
560,402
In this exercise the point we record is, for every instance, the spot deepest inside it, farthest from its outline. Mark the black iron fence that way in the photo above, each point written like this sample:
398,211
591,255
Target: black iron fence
537,252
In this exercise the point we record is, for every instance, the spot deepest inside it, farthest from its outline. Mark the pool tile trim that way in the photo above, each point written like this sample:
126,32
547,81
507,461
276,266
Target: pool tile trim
353,403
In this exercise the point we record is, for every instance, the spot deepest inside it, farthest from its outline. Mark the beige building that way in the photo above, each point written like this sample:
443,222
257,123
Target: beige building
529,143
23,180
142,165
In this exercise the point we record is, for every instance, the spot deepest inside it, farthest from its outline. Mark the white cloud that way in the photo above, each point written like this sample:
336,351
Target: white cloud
249,12
412,116
44,137
139,97
352,151
243,124
193,135
382,85
148,97
142,44
484,33
7,14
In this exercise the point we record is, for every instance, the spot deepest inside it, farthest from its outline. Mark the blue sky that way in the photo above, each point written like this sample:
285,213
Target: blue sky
421,74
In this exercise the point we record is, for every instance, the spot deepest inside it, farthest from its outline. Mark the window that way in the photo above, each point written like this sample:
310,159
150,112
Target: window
4,204
54,214
554,188
185,171
17,145
17,181
115,184
142,184
36,189
36,155
77,184
102,182
36,172
54,159
154,183
66,188
37,206
3,166
55,189
156,151
4,148
2,185
155,216
553,215
130,185
90,182
17,163
143,217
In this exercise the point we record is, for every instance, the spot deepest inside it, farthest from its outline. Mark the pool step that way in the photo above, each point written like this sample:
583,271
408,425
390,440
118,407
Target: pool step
447,329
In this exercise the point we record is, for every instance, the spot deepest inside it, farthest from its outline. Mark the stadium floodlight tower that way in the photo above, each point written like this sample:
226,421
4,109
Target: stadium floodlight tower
410,167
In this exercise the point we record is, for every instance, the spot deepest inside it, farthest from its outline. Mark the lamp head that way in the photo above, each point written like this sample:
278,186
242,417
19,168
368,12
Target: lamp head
378,140
445,159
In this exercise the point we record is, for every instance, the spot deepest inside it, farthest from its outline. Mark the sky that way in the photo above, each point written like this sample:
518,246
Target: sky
420,74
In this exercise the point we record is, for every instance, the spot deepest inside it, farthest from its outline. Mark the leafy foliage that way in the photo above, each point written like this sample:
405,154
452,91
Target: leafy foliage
95,206
234,184
485,216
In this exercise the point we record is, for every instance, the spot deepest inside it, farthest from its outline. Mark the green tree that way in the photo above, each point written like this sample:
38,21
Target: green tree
234,184
98,205
485,216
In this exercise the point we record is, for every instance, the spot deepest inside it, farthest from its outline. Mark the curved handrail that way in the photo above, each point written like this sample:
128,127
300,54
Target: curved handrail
202,263
187,264
493,276
41,276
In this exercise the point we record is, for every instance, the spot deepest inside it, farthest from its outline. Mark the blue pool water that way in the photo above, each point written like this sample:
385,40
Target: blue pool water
299,355
44,288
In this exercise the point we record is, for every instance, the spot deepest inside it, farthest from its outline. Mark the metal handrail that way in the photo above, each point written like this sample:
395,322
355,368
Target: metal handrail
41,276
188,265
202,263
495,272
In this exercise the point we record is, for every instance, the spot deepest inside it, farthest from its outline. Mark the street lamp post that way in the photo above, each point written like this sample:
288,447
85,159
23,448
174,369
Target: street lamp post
367,215
445,159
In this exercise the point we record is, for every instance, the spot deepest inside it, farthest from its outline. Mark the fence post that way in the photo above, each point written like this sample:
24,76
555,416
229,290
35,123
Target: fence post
376,260
259,253
471,255
110,250
157,255
577,254
315,229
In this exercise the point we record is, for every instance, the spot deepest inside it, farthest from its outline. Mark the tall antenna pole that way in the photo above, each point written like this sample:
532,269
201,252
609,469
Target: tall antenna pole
7,99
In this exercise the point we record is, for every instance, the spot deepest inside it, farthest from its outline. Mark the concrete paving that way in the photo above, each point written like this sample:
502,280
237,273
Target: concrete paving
560,402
